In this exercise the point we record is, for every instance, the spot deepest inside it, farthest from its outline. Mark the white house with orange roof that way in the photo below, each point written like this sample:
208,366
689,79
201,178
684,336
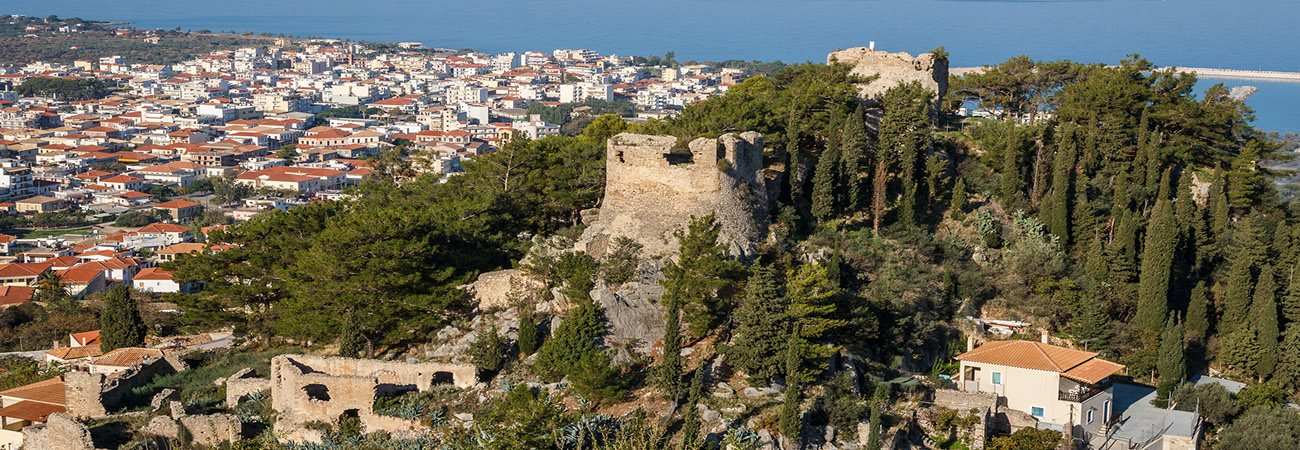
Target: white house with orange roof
123,182
27,405
153,279
1056,385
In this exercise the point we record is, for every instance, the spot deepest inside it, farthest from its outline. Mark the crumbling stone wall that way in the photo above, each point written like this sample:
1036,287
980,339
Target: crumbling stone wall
651,192
242,384
494,289
892,69
59,432
93,395
308,388
982,404
210,430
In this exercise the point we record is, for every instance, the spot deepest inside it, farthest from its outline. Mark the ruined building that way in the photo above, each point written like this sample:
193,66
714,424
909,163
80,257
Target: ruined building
652,191
307,388
892,69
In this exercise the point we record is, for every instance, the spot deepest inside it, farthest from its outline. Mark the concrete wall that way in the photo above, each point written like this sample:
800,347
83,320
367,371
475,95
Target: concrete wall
652,192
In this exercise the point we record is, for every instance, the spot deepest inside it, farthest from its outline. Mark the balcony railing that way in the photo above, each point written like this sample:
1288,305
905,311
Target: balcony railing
1084,392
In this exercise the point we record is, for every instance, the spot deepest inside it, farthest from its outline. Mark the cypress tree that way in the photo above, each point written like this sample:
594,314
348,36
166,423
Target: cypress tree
1095,263
791,422
1236,295
1172,363
1217,202
669,374
1264,321
875,440
351,342
120,324
1291,303
691,423
761,327
853,157
1058,211
1091,324
1240,349
1198,309
957,204
1084,217
1157,262
1012,176
1287,373
1123,249
528,334
1244,177
826,182
905,135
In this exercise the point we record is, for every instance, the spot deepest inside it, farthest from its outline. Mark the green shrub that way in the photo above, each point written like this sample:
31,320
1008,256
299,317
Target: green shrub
488,352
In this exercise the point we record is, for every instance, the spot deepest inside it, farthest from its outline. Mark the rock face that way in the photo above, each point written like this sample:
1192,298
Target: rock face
636,318
893,68
651,192
493,289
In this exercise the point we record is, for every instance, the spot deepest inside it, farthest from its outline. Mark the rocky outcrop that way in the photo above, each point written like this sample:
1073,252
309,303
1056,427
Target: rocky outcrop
892,69
633,311
496,289
652,191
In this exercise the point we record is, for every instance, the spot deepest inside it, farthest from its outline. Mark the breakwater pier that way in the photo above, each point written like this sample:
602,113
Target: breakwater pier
1202,72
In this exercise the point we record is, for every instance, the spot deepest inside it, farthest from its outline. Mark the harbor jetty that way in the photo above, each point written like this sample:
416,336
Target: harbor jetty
1260,75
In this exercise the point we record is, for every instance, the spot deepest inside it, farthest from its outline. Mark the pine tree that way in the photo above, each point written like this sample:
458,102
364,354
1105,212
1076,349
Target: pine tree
351,342
853,158
791,423
761,327
1058,209
704,277
528,334
1236,295
1157,262
957,205
669,373
810,293
1172,362
827,186
120,323
1264,321
1198,309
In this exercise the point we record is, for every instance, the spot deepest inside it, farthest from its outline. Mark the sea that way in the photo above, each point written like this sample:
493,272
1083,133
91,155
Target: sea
1242,34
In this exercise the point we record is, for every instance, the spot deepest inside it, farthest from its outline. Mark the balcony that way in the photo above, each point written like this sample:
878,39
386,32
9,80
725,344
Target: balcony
1082,393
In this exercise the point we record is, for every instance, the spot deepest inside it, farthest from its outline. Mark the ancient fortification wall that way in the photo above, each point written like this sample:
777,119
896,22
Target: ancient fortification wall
243,384
313,388
892,69
93,395
652,192
59,432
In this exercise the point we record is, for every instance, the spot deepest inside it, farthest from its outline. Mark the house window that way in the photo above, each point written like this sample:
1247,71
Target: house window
1036,411
997,378
1090,416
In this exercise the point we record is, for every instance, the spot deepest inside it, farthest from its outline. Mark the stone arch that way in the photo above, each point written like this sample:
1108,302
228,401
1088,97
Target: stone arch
443,377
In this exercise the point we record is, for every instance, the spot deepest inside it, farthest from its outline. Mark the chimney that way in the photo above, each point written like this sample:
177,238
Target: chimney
970,343
1044,337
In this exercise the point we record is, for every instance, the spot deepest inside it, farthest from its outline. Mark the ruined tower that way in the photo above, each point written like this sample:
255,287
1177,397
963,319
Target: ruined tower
652,191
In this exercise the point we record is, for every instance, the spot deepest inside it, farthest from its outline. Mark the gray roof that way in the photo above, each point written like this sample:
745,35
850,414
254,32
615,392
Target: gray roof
1232,386
1141,422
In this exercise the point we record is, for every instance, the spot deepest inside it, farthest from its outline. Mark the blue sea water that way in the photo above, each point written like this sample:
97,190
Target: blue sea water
1244,34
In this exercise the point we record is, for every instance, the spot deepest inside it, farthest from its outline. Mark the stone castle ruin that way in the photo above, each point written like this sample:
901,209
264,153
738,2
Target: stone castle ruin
653,190
892,69
307,388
